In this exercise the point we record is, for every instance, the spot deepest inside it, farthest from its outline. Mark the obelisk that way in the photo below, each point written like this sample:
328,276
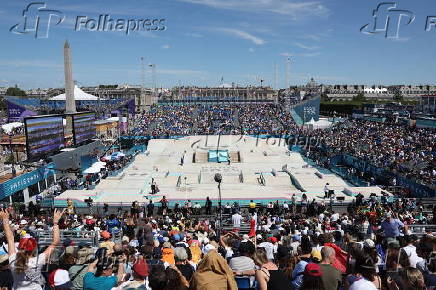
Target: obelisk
70,102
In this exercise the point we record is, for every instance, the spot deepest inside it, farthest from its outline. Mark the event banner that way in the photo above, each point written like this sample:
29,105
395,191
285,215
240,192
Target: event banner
83,127
44,135
23,181
16,113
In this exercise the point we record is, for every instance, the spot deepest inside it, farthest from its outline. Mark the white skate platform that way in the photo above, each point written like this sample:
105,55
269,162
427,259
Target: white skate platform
259,169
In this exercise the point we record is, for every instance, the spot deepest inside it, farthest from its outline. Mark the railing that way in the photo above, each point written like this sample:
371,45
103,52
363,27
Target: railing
89,237
422,229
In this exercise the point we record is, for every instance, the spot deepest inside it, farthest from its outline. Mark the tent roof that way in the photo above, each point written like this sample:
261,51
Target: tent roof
10,126
79,95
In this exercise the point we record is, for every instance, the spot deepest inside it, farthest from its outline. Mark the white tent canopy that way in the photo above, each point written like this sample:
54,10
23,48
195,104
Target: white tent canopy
7,128
79,95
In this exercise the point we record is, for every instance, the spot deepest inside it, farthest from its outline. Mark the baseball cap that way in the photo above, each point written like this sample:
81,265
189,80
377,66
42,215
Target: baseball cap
84,254
140,268
273,240
105,234
60,277
23,222
368,243
313,269
166,245
27,244
316,255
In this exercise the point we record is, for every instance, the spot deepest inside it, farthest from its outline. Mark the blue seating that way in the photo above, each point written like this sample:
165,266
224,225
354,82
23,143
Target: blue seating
243,282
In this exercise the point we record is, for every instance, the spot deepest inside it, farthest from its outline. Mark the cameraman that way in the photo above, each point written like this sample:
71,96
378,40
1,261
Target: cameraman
102,279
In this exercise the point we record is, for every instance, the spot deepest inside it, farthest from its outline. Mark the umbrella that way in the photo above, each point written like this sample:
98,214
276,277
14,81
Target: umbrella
92,170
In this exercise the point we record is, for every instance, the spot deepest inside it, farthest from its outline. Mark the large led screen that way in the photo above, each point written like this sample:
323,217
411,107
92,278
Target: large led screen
83,127
44,135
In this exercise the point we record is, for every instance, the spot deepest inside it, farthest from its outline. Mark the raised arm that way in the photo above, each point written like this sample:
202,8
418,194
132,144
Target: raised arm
4,216
56,234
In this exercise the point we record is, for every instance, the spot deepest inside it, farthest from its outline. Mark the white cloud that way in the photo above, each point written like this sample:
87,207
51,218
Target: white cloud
242,34
178,72
294,9
166,46
303,46
30,63
251,49
312,37
310,54
287,54
195,35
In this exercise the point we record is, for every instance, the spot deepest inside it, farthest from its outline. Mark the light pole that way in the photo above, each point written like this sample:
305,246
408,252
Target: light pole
218,178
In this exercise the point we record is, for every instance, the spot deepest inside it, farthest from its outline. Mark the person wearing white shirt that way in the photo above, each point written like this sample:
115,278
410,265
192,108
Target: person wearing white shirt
410,250
236,220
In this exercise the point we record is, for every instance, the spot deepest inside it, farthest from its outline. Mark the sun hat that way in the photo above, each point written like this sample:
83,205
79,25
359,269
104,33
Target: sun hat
84,254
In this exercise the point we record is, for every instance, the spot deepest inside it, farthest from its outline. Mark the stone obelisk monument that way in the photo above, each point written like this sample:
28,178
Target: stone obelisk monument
70,102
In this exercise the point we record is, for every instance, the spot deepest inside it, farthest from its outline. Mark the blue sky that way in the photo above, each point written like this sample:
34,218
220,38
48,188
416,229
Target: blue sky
239,40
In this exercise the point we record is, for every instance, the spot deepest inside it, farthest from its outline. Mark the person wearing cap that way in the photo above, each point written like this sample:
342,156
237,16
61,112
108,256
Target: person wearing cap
331,277
59,279
391,226
25,265
107,243
100,274
139,273
305,258
168,253
312,277
84,256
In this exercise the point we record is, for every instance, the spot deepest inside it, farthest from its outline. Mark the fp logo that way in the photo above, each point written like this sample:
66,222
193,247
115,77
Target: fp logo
37,19
387,19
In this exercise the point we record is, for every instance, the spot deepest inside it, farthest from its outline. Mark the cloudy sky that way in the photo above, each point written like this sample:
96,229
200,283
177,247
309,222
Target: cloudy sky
204,41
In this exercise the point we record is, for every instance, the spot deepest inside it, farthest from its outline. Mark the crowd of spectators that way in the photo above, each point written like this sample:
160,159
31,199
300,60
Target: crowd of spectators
369,247
400,149
201,119
397,148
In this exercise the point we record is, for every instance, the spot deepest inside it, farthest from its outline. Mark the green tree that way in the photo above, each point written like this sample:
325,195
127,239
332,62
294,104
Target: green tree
360,97
398,96
15,91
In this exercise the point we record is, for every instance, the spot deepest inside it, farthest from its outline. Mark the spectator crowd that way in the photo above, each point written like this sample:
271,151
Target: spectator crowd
291,245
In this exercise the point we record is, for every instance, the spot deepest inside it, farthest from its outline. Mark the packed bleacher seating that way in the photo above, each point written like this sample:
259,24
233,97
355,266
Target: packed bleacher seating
291,245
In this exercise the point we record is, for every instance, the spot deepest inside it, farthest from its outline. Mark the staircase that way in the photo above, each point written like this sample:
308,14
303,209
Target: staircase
234,157
296,117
